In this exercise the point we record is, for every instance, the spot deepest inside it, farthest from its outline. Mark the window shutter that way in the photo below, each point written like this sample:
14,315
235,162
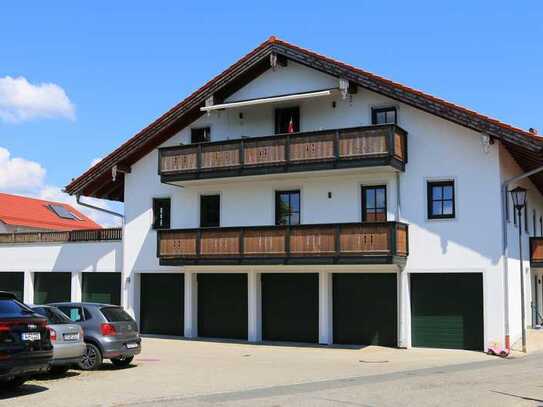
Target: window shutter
161,213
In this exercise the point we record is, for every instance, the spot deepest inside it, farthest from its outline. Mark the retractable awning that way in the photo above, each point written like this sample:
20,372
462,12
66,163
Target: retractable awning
270,99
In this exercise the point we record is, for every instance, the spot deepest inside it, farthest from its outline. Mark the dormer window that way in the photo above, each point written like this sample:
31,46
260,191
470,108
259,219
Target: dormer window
200,135
62,212
384,115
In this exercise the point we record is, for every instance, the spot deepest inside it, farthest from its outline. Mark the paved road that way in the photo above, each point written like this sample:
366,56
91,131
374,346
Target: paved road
172,372
512,382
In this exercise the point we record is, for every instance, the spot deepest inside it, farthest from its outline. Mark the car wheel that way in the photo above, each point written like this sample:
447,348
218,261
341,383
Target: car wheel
14,383
91,359
122,361
58,370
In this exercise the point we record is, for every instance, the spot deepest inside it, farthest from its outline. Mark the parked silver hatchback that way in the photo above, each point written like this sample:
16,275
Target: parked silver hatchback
110,333
66,338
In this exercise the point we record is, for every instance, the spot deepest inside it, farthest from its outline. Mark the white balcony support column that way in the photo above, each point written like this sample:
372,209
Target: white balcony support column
191,304
254,288
404,310
28,287
77,286
325,308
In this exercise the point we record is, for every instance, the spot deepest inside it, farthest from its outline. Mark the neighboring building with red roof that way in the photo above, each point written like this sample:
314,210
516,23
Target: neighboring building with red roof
21,214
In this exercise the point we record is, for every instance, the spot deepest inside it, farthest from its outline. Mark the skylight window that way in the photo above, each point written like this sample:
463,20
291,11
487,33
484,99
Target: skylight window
63,213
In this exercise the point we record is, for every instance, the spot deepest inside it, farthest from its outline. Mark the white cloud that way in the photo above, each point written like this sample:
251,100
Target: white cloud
95,161
18,174
21,100
25,177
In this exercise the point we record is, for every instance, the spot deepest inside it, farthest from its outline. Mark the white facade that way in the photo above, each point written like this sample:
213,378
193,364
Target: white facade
472,242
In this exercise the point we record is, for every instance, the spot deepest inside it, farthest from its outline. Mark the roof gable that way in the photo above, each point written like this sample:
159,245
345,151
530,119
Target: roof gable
97,181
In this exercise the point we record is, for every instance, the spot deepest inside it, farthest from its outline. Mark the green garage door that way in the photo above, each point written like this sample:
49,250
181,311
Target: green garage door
104,288
365,308
290,307
52,287
222,306
447,310
162,304
13,283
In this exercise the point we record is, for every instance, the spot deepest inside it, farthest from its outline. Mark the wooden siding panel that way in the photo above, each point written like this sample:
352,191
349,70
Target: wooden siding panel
178,244
264,152
220,156
313,241
364,239
220,243
359,144
536,250
265,242
319,147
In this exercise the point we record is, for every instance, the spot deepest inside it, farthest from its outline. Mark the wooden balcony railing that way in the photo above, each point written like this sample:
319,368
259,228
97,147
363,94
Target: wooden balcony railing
355,243
536,251
91,235
320,150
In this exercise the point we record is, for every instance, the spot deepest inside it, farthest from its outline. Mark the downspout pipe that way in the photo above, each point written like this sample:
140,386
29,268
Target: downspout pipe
505,249
97,208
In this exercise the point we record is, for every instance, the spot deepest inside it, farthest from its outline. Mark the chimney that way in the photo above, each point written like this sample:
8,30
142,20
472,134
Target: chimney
533,131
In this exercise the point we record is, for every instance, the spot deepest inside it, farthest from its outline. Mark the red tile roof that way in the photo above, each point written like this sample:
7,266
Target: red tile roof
18,210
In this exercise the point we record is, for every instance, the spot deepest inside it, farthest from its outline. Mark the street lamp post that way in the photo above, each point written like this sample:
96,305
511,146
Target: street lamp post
519,201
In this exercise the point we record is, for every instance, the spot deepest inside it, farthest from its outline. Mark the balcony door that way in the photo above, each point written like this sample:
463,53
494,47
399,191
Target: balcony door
287,207
210,211
374,203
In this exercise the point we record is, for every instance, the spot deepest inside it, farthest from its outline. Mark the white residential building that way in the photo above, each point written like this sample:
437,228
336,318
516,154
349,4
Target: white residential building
296,198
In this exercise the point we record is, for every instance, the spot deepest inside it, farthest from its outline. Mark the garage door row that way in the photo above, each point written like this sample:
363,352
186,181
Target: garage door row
446,308
57,287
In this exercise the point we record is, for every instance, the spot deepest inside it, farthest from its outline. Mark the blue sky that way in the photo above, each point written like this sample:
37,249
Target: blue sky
121,64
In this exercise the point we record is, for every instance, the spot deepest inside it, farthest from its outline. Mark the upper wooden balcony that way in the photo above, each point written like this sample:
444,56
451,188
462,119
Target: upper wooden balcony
341,243
369,146
536,252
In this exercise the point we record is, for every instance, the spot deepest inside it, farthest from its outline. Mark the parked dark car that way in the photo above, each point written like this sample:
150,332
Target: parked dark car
25,346
66,337
110,333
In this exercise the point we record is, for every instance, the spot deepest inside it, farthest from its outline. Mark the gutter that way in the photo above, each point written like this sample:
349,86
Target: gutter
505,250
97,208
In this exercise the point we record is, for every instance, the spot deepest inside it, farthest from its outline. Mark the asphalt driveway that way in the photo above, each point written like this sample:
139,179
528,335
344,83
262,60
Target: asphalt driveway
184,372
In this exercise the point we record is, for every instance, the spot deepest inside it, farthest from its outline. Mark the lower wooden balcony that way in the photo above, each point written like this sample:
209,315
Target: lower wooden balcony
341,243
536,252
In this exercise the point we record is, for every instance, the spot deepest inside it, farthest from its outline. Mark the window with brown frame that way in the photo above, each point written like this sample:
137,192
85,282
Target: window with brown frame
374,203
287,120
440,197
287,207
200,135
384,115
161,213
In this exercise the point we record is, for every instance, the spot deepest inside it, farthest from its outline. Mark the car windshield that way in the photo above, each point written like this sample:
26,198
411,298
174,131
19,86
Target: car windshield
116,314
13,308
53,315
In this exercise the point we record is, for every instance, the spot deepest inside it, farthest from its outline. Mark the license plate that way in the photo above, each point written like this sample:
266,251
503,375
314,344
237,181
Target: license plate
71,337
131,345
31,336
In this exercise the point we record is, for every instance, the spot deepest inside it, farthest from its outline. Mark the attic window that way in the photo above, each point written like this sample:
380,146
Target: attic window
62,212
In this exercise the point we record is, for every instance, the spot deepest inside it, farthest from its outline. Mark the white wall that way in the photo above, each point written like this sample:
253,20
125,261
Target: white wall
437,148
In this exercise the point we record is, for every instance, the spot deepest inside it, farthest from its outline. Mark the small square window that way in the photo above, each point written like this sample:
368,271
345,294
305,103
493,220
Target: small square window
200,135
384,115
440,197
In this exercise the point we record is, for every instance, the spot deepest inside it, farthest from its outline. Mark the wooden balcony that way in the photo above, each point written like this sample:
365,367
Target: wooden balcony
90,235
343,243
536,252
382,145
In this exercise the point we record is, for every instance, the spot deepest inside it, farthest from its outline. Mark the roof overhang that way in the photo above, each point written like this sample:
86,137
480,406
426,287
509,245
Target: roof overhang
97,181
